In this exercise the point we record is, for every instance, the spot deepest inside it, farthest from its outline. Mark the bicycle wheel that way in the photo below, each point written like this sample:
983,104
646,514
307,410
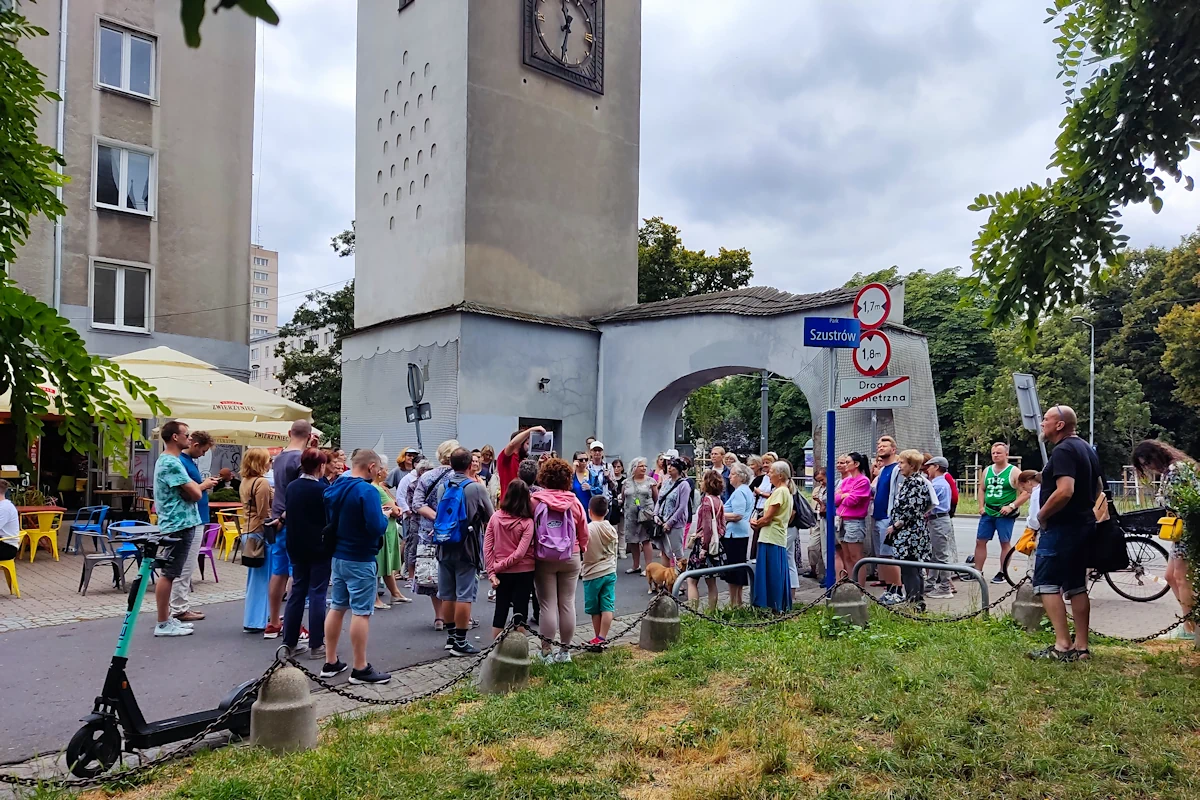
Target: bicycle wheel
1145,578
1016,565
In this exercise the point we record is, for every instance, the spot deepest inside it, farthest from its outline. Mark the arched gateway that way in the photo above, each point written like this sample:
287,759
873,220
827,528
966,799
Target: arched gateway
496,210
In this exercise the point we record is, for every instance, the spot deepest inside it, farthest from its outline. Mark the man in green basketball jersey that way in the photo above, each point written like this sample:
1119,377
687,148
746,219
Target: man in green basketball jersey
999,502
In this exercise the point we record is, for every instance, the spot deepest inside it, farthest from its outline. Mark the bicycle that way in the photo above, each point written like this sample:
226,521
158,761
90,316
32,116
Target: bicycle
1143,581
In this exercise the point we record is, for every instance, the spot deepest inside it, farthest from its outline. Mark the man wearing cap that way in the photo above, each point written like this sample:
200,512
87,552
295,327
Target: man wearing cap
599,473
941,531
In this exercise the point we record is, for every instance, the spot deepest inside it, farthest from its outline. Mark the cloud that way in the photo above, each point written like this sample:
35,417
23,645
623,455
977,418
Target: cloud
828,138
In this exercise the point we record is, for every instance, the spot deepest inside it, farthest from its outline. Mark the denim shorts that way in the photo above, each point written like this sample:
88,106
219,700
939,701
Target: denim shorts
1058,567
353,587
995,526
854,531
458,581
882,548
277,555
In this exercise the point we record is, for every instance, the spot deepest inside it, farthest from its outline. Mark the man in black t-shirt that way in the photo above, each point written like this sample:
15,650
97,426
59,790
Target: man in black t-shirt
1070,486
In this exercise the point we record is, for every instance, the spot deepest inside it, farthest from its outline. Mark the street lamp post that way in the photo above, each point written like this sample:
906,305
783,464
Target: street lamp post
1091,383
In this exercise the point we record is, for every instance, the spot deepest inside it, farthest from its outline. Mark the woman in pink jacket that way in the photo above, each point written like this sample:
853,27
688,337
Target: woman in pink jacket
508,557
852,499
556,579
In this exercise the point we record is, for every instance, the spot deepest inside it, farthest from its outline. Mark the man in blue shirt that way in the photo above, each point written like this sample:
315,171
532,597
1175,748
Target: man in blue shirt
942,547
881,511
199,443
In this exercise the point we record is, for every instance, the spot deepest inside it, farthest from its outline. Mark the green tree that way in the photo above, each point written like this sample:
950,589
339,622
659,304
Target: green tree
343,243
312,374
667,269
1180,330
36,343
1128,124
702,413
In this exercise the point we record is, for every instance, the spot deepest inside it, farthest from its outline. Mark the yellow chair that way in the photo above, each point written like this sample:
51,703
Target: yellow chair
10,573
232,523
47,525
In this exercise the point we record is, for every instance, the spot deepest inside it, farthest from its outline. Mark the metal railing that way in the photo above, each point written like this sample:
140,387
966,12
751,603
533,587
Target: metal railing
696,573
895,562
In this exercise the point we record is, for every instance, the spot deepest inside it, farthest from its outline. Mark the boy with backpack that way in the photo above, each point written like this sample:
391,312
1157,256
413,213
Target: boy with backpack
463,512
600,570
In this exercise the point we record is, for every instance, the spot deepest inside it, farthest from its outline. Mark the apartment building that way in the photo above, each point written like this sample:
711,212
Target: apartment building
157,138
265,363
264,292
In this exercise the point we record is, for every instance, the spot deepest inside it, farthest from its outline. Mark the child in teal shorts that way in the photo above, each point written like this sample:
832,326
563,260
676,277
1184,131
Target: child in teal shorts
600,570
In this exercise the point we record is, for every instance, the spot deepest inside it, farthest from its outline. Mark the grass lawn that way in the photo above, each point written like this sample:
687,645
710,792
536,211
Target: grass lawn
805,709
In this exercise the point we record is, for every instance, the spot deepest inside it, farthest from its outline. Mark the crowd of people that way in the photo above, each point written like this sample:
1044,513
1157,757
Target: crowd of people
352,536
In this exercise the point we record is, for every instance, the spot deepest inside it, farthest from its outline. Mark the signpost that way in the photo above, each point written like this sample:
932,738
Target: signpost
831,332
1031,408
873,305
874,353
416,391
863,394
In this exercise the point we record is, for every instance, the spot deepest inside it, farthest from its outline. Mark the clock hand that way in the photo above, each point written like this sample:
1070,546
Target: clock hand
566,29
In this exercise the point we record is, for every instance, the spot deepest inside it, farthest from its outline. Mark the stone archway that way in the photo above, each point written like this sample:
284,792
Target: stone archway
652,356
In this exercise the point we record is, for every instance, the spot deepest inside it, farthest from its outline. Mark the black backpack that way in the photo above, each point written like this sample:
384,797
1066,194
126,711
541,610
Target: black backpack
803,516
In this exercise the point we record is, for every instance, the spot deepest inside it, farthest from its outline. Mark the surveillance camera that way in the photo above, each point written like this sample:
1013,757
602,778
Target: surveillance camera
543,383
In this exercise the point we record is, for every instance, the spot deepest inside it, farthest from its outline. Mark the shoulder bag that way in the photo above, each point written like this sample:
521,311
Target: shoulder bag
1107,552
254,544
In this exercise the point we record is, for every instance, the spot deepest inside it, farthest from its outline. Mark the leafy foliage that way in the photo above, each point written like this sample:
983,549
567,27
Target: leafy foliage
343,243
312,373
191,14
667,269
37,345
1128,124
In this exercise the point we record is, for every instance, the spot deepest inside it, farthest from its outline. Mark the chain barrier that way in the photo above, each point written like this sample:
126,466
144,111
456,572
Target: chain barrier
252,691
159,760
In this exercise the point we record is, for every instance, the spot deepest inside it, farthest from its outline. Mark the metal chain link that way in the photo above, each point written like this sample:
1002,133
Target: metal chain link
1191,616
163,758
591,648
790,615
936,620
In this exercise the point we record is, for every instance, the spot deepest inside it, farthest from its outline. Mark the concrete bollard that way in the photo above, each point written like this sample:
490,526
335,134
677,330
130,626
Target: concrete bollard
849,603
660,628
506,668
1027,609
284,717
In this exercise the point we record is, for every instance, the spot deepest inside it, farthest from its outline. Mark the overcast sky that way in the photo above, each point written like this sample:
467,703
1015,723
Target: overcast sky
827,137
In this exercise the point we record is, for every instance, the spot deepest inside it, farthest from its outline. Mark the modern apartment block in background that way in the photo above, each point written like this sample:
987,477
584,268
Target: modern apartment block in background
155,245
264,292
265,364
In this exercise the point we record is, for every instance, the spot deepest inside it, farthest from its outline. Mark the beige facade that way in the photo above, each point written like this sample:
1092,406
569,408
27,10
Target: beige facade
157,140
264,292
265,363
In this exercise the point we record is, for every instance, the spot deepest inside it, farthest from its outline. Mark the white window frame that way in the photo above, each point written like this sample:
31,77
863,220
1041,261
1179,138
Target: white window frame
254,373
127,32
119,304
262,304
259,332
265,290
264,276
125,148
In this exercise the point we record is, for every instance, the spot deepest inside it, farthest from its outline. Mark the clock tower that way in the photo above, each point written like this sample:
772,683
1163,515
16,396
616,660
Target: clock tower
496,213
497,157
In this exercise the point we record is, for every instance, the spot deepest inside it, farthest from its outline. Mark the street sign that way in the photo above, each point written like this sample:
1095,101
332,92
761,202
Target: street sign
873,305
874,353
1030,407
416,384
831,332
858,394
418,412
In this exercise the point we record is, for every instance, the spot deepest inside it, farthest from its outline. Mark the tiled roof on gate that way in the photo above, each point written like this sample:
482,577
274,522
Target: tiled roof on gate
753,301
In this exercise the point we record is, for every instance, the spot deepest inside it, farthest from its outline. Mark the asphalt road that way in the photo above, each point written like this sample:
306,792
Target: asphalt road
51,675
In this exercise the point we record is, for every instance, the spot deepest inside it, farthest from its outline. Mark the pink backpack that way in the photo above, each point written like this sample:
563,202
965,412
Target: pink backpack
553,533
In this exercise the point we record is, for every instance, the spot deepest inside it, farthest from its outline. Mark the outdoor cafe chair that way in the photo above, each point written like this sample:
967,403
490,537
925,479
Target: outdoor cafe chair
211,532
89,522
48,524
116,553
231,523
9,568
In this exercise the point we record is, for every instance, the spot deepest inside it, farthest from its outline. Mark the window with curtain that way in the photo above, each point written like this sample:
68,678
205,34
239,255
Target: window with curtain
120,297
124,179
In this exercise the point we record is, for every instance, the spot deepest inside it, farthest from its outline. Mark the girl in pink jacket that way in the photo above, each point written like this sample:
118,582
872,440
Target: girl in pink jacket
508,557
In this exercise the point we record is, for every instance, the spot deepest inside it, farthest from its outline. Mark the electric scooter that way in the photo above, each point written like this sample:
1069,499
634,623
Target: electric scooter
116,723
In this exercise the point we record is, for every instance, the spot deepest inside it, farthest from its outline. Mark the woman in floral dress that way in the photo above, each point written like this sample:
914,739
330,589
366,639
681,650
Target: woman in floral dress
907,533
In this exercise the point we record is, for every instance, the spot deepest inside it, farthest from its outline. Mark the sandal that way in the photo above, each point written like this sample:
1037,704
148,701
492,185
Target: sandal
399,598
1082,655
1052,653
439,625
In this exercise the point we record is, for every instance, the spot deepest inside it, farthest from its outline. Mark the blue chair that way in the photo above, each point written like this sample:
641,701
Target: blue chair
88,522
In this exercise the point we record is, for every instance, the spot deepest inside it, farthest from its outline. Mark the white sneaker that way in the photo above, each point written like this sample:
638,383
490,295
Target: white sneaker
940,594
173,627
562,657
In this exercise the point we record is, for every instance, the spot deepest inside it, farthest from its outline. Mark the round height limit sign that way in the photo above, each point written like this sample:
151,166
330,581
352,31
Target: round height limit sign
872,307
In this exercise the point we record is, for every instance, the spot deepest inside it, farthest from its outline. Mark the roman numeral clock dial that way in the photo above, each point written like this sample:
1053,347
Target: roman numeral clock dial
565,38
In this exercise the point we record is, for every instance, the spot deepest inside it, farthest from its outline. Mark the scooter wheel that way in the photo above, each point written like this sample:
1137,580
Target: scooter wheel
94,749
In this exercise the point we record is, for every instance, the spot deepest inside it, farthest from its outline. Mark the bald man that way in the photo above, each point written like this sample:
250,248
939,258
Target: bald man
1068,521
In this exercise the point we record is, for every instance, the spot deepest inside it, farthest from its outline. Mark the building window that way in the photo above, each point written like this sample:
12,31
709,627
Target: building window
259,261
120,297
261,276
126,60
258,332
261,304
254,374
254,354
326,337
124,179
260,318
261,290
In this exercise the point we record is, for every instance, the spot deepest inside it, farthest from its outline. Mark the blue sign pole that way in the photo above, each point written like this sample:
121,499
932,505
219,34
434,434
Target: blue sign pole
830,510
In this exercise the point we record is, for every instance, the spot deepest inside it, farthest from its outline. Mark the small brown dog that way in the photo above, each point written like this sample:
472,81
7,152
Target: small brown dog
660,577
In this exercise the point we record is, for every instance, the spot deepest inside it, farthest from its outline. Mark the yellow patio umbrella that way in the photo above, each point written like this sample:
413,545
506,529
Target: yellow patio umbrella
192,388
249,434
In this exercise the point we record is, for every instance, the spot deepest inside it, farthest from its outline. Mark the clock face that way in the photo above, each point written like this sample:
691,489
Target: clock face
565,38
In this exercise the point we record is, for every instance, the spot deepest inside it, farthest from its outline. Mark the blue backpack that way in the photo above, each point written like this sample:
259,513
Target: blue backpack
451,525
